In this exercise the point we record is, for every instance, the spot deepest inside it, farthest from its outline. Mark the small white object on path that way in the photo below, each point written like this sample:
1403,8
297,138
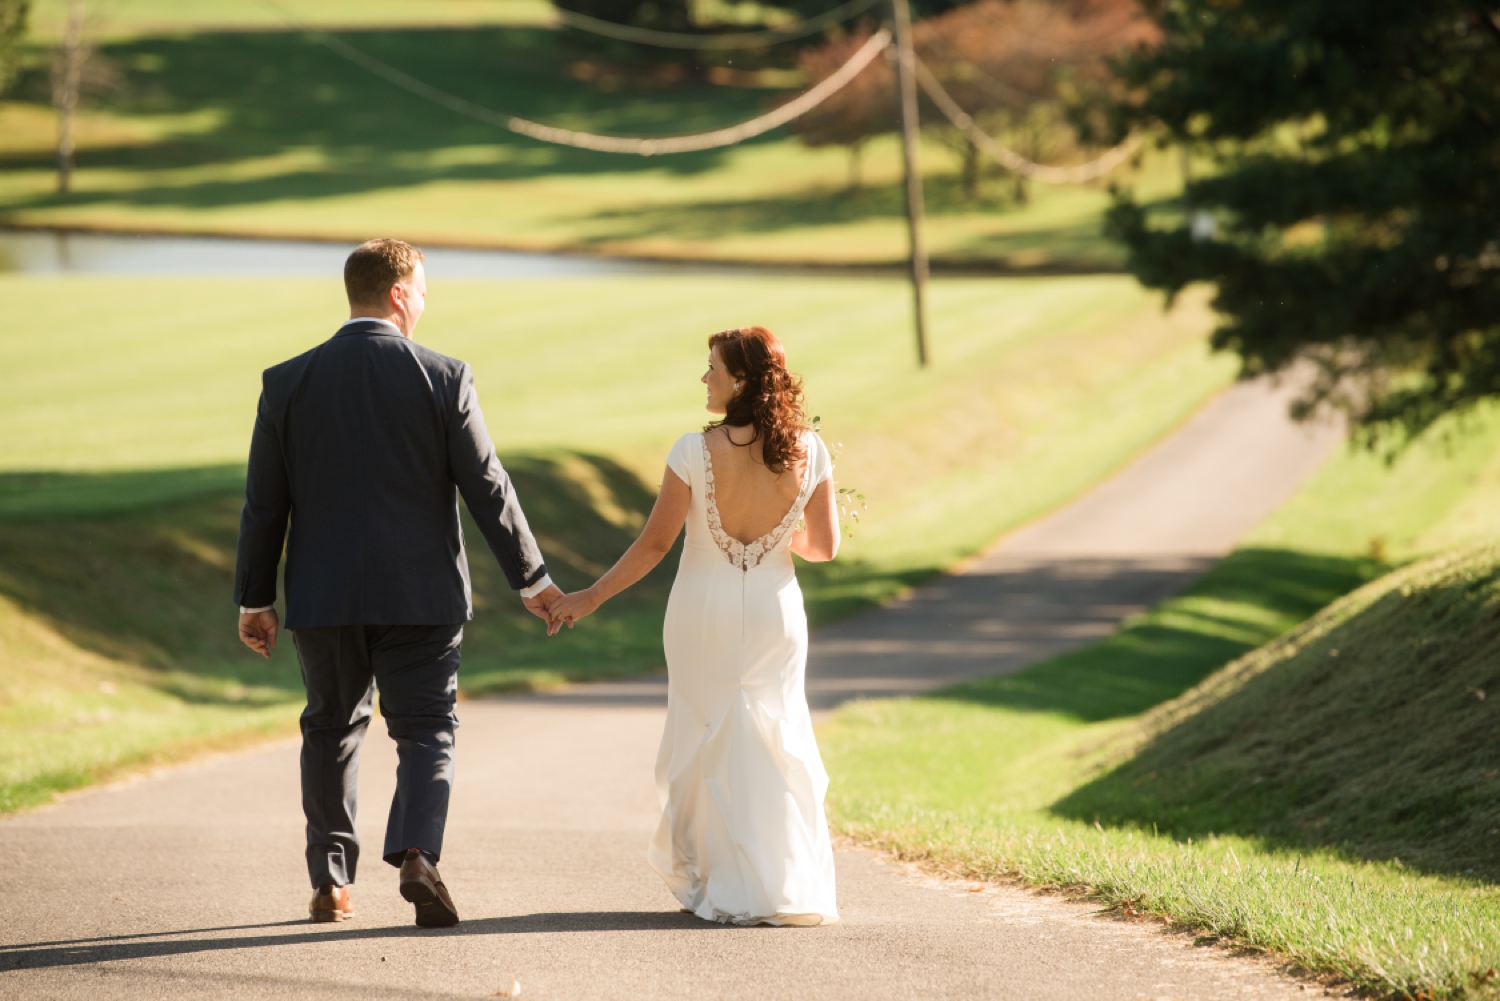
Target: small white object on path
190,883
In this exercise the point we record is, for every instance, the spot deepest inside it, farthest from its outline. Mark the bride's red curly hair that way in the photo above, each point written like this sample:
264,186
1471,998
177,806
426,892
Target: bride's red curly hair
770,397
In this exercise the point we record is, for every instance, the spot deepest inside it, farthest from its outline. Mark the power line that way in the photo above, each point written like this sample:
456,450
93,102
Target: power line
638,146
721,137
1013,161
735,40
663,145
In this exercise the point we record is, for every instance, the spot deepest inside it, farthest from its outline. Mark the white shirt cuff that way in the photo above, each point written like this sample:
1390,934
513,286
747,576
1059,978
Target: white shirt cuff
537,588
252,611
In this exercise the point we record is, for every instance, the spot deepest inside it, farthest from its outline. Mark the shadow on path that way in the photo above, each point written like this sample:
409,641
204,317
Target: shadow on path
954,628
1016,611
1243,601
43,955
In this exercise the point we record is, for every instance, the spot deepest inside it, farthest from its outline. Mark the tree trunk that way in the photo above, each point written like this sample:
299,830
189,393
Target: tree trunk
65,93
971,171
856,174
1030,144
906,96
1185,164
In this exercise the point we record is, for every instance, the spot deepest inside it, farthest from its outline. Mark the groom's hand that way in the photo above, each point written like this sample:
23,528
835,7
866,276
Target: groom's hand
541,604
258,631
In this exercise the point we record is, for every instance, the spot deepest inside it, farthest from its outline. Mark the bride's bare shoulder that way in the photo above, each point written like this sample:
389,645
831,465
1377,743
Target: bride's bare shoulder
717,439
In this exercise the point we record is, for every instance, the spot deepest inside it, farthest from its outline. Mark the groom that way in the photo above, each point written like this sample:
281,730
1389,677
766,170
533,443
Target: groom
360,443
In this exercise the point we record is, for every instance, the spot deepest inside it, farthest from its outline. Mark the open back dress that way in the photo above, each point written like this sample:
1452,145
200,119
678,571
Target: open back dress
743,837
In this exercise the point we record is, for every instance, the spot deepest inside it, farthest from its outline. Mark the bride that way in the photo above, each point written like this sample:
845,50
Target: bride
742,837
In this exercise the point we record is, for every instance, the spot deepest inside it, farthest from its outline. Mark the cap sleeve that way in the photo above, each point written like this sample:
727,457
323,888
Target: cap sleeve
679,460
822,462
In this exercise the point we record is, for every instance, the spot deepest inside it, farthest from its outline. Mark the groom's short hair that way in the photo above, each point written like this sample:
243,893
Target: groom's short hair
375,266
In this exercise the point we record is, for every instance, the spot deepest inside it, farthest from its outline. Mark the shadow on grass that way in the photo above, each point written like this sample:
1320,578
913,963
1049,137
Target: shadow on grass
1077,244
1374,739
845,587
138,567
220,98
230,103
49,495
1245,600
821,206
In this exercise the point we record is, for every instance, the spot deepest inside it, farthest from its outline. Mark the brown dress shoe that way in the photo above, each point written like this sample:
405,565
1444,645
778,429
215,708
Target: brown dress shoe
331,903
421,884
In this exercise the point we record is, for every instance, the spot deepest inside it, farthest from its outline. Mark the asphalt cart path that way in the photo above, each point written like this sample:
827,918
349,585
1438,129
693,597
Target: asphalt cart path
189,883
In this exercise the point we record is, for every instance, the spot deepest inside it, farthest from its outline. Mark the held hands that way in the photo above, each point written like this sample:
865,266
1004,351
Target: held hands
557,609
644,553
258,631
541,604
572,607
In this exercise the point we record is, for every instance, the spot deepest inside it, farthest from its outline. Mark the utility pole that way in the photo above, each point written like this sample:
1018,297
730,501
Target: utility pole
906,89
66,83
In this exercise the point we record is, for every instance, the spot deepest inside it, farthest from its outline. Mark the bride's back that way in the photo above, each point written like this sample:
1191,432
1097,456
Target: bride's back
751,499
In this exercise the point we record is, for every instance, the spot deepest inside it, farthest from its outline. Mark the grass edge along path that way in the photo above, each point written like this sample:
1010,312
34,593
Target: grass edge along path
1064,776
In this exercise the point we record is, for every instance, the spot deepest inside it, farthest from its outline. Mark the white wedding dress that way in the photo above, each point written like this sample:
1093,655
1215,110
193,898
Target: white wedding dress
742,837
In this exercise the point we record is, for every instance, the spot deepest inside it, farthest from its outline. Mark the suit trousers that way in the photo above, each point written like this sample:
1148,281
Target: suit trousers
416,671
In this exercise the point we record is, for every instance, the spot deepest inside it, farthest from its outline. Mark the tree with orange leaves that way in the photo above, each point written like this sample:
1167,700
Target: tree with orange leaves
864,108
1036,69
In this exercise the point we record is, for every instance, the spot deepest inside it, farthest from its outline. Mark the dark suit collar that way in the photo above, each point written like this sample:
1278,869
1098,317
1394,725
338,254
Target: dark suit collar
370,326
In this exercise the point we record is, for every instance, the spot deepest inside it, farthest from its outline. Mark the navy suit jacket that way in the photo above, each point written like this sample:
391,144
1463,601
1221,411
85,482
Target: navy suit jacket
364,444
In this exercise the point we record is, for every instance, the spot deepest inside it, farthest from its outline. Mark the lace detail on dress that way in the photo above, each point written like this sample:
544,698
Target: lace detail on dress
748,556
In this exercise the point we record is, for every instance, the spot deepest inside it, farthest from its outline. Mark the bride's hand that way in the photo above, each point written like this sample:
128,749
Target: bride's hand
572,607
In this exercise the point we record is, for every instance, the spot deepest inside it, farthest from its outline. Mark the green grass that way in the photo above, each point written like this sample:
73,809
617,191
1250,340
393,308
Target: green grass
1414,654
1334,809
268,133
128,18
129,401
117,635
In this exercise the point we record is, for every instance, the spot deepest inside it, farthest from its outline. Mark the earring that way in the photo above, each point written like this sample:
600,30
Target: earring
736,387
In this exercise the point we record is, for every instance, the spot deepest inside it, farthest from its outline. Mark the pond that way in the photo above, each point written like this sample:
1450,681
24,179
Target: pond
59,252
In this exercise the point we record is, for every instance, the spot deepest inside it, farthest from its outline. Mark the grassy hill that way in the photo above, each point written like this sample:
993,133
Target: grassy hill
1328,795
201,129
1293,745
129,401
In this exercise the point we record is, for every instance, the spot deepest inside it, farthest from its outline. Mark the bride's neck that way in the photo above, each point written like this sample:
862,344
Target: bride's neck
740,434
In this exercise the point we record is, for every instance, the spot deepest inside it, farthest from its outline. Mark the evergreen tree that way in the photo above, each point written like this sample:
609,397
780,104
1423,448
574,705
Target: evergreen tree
1353,214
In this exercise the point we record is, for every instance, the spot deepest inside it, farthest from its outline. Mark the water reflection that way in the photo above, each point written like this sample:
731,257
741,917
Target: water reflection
52,252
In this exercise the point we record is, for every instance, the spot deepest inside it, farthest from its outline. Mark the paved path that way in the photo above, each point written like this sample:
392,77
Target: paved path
189,884
1069,579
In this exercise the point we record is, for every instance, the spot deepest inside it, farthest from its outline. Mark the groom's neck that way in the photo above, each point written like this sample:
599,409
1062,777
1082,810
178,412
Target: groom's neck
394,319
